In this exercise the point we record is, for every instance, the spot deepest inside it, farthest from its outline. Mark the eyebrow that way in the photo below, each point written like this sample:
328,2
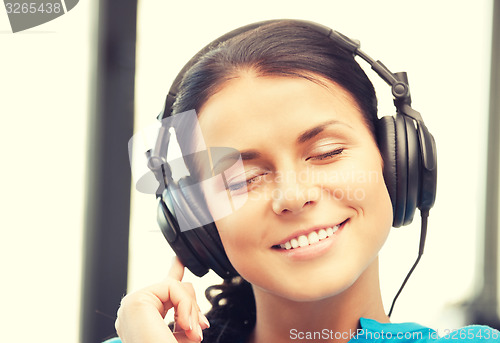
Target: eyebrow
313,132
233,157
251,154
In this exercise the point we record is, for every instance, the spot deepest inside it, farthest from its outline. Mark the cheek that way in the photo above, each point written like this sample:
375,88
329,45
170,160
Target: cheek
369,189
373,202
360,186
379,194
239,232
380,210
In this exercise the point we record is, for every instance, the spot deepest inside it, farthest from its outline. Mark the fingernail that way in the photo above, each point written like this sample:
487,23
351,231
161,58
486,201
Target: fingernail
205,319
190,323
200,333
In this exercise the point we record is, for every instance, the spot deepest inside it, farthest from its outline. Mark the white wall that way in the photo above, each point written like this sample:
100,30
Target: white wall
44,75
445,48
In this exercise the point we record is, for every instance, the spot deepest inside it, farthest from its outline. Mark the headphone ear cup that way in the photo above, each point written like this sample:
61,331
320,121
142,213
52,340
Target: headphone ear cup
386,140
409,183
169,226
178,226
428,185
206,237
414,179
402,170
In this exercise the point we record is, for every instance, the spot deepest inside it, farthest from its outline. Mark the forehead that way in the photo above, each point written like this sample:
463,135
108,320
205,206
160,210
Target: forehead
249,107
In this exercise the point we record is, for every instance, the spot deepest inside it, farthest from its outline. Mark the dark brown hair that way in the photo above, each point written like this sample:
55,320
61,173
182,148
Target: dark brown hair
284,48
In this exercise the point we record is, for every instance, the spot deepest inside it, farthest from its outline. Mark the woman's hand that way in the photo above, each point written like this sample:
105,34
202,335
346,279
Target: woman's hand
140,318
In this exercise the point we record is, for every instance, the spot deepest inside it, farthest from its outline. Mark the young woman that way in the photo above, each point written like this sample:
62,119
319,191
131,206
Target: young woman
305,244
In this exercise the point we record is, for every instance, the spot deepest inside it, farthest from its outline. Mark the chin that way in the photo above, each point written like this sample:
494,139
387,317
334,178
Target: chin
310,289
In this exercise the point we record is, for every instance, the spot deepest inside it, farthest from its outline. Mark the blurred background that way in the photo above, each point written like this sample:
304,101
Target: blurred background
76,235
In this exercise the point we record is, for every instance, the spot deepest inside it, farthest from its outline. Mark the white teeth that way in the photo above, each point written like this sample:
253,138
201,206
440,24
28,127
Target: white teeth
303,242
322,234
311,238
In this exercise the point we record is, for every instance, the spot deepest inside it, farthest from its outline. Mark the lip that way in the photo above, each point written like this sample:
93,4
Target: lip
314,250
308,231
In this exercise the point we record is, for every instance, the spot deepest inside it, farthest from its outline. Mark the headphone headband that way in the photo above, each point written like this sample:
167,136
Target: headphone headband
399,83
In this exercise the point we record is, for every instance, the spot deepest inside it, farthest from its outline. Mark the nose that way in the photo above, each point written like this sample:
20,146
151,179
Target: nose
292,196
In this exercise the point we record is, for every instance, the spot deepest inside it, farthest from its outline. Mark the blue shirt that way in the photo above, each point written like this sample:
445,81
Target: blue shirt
374,332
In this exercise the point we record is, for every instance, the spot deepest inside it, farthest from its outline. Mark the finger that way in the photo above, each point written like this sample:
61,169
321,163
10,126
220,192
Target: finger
181,337
198,317
177,328
188,286
204,323
187,311
194,333
184,317
195,319
143,325
176,271
163,296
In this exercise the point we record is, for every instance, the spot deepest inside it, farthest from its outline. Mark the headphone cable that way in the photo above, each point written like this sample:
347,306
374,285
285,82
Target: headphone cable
423,233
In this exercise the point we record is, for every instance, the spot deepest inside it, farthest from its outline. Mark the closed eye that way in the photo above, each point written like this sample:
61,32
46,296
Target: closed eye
234,187
327,155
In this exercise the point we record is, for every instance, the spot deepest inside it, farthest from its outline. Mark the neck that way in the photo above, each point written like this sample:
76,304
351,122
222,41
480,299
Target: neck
281,320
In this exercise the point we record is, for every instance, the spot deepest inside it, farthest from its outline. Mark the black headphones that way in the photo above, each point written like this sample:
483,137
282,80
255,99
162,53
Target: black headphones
407,148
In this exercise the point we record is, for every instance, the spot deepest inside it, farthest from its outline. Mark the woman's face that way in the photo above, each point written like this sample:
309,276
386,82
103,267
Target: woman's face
318,210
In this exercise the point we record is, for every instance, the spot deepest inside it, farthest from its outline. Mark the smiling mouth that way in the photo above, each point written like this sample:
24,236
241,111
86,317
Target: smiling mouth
312,238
